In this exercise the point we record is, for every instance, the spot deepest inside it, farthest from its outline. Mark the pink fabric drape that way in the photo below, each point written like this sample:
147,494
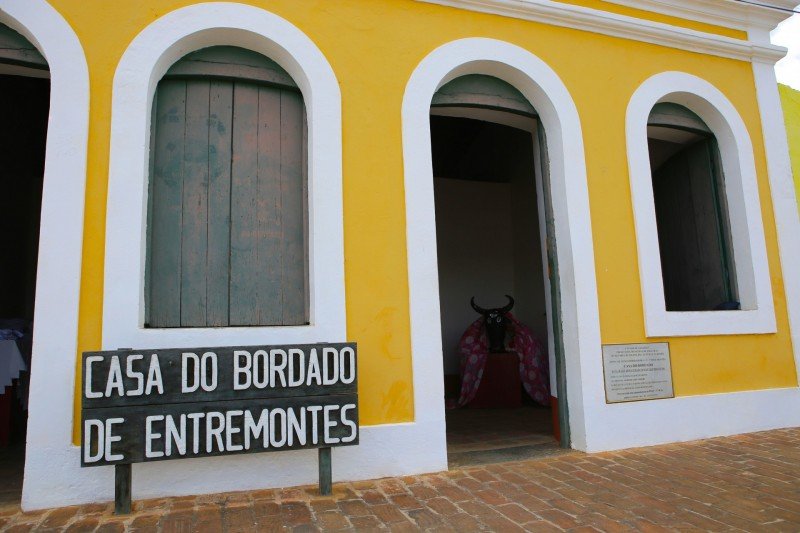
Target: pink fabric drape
533,361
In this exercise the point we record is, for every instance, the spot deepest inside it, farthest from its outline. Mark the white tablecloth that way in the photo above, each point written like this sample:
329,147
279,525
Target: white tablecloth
11,363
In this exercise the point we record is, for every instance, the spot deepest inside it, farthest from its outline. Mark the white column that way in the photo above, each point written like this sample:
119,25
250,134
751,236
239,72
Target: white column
784,199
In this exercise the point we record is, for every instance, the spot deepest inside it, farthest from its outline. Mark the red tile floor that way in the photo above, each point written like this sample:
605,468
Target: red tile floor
742,483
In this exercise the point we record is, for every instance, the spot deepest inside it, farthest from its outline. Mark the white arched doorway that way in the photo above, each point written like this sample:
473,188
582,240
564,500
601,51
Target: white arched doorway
570,203
55,340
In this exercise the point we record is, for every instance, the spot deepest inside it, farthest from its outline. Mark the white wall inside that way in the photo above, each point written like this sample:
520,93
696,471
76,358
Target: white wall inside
488,245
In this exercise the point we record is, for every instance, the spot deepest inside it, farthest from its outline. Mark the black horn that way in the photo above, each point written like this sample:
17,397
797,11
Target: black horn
478,309
508,306
495,322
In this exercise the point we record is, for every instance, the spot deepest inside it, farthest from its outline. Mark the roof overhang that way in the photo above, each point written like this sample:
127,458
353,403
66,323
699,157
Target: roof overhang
725,13
756,20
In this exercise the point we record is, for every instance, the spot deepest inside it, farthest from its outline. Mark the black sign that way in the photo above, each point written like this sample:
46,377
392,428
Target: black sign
152,405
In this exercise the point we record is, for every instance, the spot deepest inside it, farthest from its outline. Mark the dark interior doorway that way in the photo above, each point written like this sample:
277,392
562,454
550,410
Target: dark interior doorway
489,244
25,106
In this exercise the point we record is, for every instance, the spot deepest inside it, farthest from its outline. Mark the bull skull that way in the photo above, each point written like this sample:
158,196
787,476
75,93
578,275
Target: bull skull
495,321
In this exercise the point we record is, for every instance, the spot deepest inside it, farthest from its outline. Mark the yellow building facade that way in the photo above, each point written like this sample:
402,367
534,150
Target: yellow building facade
368,71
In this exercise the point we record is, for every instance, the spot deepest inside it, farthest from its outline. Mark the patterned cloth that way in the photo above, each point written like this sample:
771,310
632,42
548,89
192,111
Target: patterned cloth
10,334
533,361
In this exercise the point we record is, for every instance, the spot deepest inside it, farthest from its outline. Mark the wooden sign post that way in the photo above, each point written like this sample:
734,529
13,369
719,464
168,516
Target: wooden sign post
156,405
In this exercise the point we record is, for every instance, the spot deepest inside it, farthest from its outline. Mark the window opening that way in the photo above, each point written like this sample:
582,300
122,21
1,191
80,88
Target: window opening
691,212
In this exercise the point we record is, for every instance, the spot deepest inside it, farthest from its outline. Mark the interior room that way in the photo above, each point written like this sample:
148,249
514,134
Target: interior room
489,245
25,89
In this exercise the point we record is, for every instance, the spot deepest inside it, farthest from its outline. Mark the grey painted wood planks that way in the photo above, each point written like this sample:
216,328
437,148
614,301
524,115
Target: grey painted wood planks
227,224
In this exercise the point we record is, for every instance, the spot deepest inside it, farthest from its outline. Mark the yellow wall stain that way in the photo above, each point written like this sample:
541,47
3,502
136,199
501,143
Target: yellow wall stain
373,48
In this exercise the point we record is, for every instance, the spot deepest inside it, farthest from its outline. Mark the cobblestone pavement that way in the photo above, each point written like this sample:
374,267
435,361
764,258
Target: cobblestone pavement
748,482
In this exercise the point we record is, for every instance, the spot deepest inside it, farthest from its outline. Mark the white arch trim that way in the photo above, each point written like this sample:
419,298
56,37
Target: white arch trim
141,67
559,116
60,245
744,211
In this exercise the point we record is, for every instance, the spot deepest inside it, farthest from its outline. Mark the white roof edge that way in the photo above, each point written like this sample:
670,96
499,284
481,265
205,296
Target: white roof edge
626,27
726,13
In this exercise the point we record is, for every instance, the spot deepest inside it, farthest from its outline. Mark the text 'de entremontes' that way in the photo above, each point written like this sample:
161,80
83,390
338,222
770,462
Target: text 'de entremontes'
151,405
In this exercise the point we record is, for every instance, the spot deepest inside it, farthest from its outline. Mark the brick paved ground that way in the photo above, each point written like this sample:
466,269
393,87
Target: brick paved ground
746,483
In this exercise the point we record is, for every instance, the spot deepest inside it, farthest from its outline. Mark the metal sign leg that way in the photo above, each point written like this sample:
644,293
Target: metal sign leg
122,489
325,471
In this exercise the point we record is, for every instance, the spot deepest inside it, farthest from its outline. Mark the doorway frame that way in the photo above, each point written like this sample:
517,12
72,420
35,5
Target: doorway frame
541,179
58,276
570,196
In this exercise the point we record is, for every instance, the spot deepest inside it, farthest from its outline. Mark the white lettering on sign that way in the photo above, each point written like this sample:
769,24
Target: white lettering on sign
99,436
114,378
154,378
175,434
93,433
202,374
231,430
111,438
134,370
256,429
150,436
215,425
89,393
135,375
350,356
186,402
330,366
349,422
277,427
314,410
237,429
279,368
296,426
296,373
195,418
242,376
314,375
329,423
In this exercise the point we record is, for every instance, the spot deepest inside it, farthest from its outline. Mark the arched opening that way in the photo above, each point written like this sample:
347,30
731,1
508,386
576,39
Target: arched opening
694,238
25,103
699,232
491,198
570,254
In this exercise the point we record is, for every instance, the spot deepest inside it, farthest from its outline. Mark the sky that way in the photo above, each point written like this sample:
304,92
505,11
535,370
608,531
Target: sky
788,34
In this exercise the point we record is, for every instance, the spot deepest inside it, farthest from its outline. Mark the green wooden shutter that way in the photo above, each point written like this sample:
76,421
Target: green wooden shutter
676,116
227,238
478,90
17,50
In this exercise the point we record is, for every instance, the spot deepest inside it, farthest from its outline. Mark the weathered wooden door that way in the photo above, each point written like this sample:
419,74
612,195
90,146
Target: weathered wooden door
227,212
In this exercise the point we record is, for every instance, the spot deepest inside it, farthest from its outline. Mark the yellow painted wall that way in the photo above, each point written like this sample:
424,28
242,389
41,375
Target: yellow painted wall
790,99
373,47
